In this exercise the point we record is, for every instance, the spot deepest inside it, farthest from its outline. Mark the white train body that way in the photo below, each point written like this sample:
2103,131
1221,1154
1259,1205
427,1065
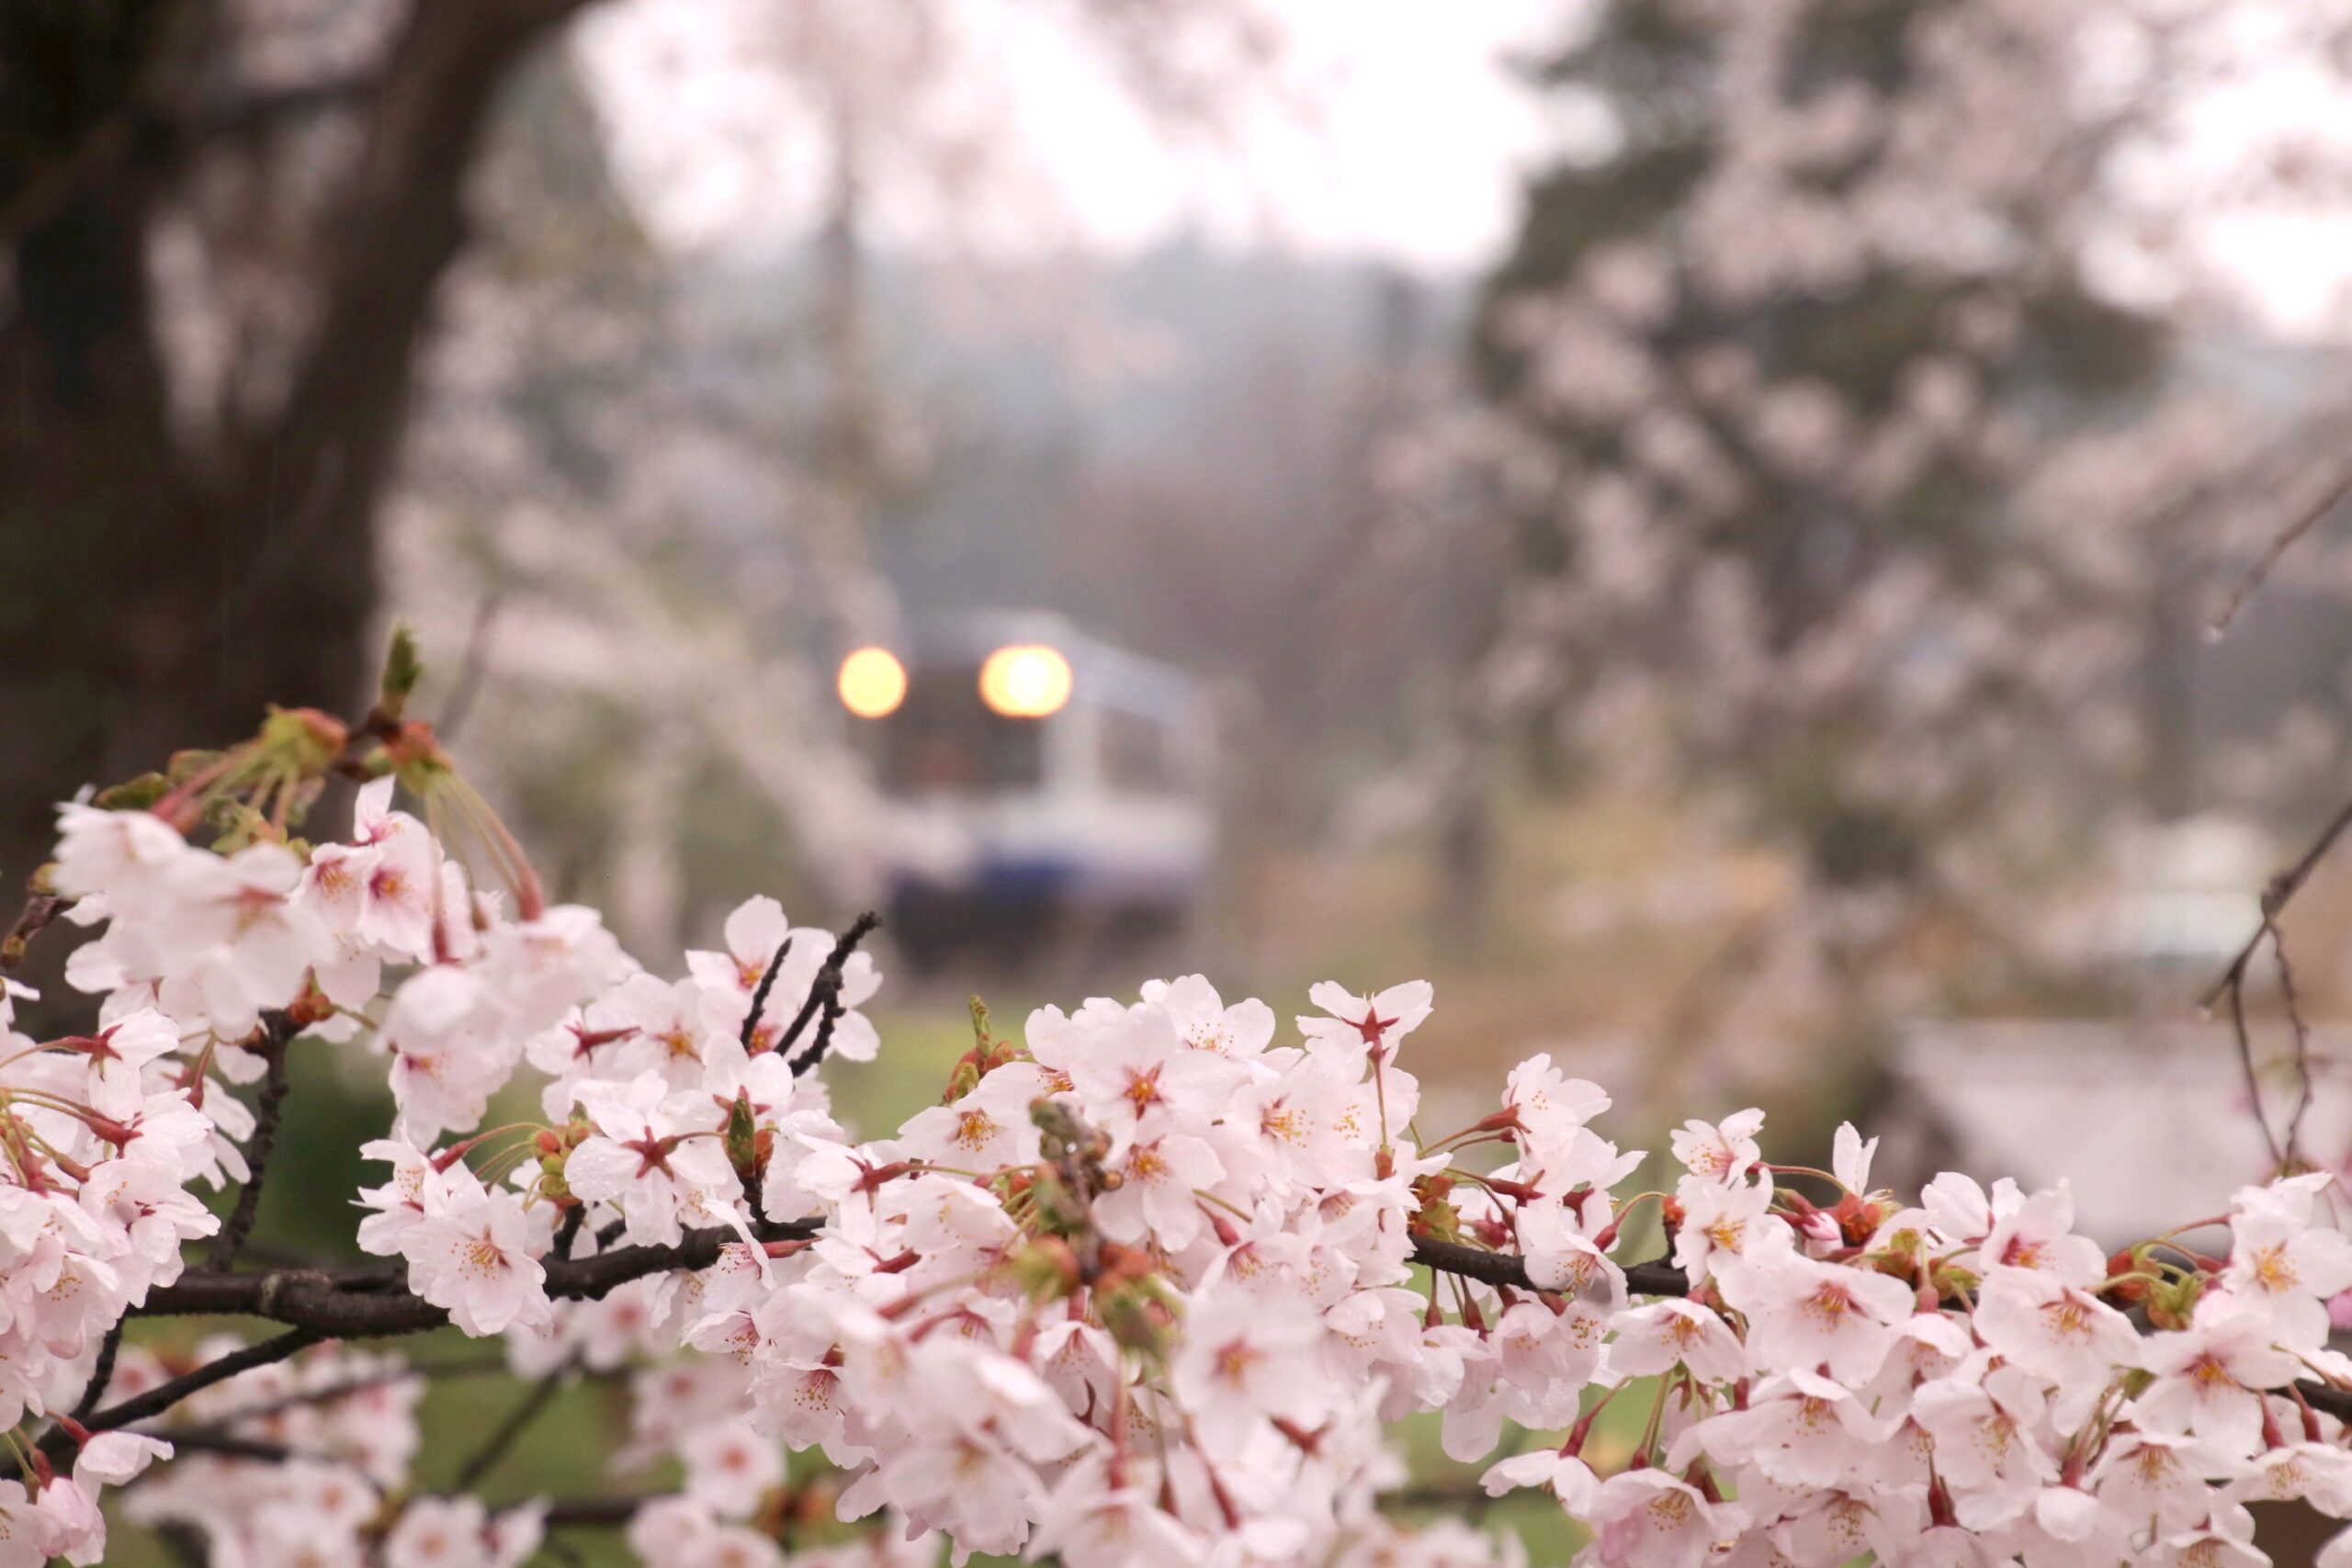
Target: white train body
1001,827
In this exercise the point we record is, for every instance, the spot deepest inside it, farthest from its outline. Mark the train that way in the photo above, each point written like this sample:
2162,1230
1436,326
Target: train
1039,786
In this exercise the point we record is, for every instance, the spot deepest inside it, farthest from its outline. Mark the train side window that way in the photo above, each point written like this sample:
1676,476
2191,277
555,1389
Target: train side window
1136,754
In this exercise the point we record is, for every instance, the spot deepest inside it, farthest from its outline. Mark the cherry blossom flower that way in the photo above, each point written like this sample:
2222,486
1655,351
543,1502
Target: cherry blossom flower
985,1130
1564,1475
1658,1336
2058,1332
728,1466
474,1256
1803,1313
1724,1151
1372,1025
2280,1258
1648,1518
1244,1360
645,1159
2037,1232
1156,1195
1551,1107
2207,1375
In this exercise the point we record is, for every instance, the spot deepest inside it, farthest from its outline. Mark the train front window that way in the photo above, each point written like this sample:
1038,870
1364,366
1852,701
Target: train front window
943,741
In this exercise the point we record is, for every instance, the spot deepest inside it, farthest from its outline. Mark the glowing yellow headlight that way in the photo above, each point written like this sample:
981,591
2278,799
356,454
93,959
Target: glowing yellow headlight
873,682
1028,681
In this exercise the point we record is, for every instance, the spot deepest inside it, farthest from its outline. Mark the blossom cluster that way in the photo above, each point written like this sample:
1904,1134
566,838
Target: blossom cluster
1151,1283
344,1424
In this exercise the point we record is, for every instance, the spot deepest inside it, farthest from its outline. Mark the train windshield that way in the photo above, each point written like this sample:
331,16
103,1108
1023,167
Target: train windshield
943,741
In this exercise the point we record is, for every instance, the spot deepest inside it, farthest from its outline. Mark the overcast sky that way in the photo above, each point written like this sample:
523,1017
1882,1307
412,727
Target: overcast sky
1391,128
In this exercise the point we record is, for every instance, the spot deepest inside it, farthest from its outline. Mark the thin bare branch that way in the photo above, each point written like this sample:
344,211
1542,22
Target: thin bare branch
2258,573
2302,1047
510,1431
2244,1039
57,1445
2283,889
473,671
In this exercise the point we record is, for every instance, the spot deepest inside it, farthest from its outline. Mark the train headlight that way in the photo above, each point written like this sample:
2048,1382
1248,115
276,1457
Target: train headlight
1028,681
871,683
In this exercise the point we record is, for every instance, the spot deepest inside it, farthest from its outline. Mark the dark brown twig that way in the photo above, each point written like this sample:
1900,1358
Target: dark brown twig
824,998
58,1444
1657,1278
599,1511
368,1304
229,1445
328,1393
760,992
101,1372
322,1308
277,1030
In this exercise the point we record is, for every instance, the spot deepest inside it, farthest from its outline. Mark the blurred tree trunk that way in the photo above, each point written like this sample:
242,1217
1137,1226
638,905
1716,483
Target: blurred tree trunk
155,590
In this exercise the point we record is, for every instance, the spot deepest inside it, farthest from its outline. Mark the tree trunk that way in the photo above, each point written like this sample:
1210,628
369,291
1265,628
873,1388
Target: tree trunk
150,596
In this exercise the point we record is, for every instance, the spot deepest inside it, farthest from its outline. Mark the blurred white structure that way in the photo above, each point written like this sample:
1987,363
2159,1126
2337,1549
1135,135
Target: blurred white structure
2192,893
2148,1123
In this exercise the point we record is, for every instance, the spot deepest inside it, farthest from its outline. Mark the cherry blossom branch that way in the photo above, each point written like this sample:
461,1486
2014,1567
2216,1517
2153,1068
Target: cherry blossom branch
320,1307
605,1511
2293,1004
371,1302
568,1230
1656,1278
326,1393
277,1031
1661,1278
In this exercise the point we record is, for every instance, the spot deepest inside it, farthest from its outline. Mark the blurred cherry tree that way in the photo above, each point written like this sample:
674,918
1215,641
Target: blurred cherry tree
1848,499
